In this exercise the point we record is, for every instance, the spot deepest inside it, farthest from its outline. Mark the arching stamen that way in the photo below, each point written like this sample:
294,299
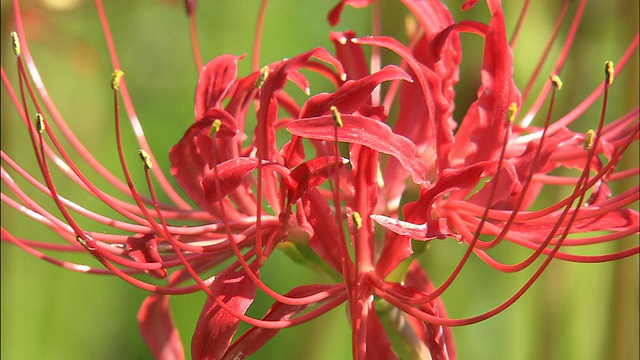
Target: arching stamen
257,41
519,23
133,118
193,31
547,50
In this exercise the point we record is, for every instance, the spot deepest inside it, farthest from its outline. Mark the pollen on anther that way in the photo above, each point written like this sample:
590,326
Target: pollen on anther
264,73
337,119
513,111
115,79
146,158
215,127
40,126
557,82
15,43
589,139
84,243
410,25
357,219
609,72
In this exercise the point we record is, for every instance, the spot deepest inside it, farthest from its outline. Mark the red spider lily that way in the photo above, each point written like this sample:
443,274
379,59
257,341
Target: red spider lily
353,191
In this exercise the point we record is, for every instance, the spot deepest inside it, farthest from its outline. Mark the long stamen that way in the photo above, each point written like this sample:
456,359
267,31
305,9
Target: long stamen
133,118
193,31
257,41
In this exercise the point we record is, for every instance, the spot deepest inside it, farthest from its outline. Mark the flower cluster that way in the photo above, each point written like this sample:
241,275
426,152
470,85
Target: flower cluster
355,183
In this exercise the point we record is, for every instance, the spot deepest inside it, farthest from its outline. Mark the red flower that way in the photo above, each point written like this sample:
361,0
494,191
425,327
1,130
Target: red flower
342,183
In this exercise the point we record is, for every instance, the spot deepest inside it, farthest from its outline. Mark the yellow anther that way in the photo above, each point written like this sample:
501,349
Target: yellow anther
357,219
115,79
555,79
410,26
589,139
15,42
84,243
215,127
513,111
609,72
264,73
146,158
40,126
379,178
336,116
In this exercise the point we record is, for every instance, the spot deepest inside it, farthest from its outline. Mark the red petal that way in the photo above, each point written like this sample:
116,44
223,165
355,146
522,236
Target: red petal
254,338
265,134
230,174
350,55
158,330
468,5
433,229
448,180
438,339
228,126
192,158
334,14
494,5
310,174
378,344
325,240
215,79
144,249
364,131
216,327
482,131
353,94
437,107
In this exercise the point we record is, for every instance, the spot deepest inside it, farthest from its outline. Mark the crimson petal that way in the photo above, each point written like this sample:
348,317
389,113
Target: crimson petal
432,229
367,132
215,80
144,249
216,327
353,94
310,174
378,343
158,330
229,174
254,338
325,240
334,14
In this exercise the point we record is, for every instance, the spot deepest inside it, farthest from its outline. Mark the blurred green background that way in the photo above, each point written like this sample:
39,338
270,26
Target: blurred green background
576,311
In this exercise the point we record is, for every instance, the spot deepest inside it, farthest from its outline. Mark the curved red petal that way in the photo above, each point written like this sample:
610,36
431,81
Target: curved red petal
367,132
144,249
354,94
215,80
216,327
310,174
227,176
254,338
158,330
